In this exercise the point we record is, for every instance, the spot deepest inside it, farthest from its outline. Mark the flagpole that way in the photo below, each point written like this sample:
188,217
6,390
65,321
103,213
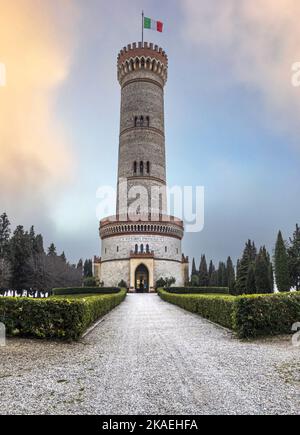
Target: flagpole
143,27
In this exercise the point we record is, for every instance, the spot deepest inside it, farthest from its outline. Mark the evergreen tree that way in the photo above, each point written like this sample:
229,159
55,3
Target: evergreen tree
248,259
214,279
38,245
230,275
4,235
281,265
5,273
195,281
37,262
194,270
88,268
222,275
271,277
262,272
52,250
250,283
294,259
203,272
63,257
211,271
20,253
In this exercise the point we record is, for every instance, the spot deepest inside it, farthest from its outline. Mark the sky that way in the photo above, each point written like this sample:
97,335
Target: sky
232,115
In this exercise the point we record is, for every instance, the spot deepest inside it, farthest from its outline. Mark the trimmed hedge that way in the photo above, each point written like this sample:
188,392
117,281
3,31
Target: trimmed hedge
198,290
262,315
85,290
216,308
55,318
249,316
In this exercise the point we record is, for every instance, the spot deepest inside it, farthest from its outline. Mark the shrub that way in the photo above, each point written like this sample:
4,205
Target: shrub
85,290
160,283
198,290
249,316
91,281
123,284
213,307
55,318
261,315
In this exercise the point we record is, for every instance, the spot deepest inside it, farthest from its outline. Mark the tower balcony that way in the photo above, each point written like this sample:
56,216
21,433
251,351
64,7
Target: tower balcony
168,226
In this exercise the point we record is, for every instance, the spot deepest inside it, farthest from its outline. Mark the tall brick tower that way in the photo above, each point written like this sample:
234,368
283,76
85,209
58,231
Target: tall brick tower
141,243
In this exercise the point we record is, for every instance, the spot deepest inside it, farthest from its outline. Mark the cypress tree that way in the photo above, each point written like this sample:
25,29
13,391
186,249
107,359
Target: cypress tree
88,269
214,279
230,275
250,282
203,273
262,272
195,281
248,259
281,265
211,271
194,270
271,277
4,235
294,259
222,275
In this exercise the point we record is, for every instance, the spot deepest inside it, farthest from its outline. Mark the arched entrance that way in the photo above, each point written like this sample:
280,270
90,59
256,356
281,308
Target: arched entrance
142,279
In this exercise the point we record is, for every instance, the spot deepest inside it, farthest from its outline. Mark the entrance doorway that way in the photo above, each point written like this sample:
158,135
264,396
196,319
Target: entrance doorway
142,279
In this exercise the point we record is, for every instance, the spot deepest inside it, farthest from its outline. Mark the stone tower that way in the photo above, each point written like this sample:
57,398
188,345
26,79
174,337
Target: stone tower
141,243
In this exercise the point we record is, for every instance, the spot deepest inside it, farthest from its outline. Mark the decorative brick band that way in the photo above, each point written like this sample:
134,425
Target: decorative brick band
147,177
141,80
131,129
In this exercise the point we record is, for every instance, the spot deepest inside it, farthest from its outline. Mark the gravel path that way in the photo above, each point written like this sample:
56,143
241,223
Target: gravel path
150,357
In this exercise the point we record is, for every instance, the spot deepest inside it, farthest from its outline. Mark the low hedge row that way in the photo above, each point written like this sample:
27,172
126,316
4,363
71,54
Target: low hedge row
198,290
249,316
55,318
262,315
85,290
216,308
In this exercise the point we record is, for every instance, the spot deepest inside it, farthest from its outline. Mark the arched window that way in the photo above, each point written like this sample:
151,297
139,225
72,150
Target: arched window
147,249
135,167
142,168
148,121
148,167
142,121
117,248
136,249
166,249
142,249
135,121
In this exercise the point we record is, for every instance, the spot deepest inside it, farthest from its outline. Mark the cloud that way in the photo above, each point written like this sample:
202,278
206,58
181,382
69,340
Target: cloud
35,158
260,41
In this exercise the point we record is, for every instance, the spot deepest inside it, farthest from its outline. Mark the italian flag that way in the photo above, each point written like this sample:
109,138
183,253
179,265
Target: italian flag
153,25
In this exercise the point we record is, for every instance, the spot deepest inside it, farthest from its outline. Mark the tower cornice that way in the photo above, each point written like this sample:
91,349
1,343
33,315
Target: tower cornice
138,56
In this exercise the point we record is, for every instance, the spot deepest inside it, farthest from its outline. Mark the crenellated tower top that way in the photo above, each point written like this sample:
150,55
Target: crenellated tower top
142,56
